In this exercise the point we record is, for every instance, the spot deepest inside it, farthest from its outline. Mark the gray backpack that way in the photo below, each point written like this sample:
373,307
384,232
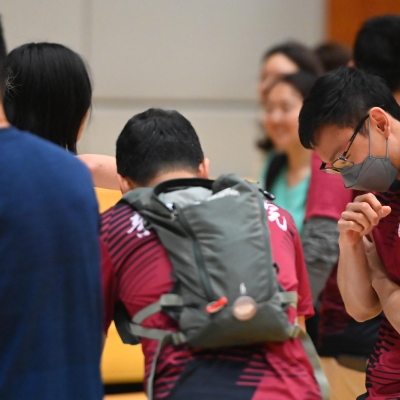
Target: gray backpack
225,292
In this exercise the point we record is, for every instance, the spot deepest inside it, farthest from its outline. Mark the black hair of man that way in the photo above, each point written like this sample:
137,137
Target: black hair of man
48,92
3,53
342,98
157,141
301,55
377,49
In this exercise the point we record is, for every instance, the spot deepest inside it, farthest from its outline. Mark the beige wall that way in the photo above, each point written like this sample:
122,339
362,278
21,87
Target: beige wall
200,57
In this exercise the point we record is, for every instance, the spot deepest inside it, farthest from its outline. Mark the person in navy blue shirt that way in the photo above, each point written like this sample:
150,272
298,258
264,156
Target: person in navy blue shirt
50,288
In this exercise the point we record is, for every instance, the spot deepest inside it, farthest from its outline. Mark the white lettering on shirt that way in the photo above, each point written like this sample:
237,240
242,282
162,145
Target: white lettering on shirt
137,225
274,216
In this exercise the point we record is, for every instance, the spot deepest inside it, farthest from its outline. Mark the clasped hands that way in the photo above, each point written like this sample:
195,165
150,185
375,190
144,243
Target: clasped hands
355,227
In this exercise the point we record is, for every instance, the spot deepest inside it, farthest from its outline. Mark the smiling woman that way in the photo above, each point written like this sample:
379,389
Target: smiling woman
287,168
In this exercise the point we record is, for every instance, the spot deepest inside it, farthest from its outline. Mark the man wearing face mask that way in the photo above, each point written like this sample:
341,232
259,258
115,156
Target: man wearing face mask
352,121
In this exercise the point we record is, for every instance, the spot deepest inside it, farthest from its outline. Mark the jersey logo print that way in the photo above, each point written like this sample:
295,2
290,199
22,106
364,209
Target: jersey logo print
274,216
398,230
137,225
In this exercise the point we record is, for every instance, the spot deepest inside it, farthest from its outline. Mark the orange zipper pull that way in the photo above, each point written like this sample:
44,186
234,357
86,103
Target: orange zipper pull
217,305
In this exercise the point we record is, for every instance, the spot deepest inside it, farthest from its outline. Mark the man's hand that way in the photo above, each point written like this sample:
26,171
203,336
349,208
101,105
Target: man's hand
361,299
360,218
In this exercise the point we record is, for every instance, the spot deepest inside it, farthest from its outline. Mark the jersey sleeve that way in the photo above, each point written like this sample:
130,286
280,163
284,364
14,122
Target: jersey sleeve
305,303
300,275
288,255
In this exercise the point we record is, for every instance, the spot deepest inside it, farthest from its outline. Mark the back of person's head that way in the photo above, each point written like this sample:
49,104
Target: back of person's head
3,53
48,92
155,142
301,81
300,54
343,98
377,49
333,55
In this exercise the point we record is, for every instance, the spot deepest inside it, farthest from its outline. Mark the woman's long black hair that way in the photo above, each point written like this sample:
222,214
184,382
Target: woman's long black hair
48,92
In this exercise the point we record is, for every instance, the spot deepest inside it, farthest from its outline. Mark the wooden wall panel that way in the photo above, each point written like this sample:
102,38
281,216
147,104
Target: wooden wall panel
345,17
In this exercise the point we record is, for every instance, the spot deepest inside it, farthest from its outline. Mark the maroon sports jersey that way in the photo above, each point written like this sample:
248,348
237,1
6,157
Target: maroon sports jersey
383,372
136,271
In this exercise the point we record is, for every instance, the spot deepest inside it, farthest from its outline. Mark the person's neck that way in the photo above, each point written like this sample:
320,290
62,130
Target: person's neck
3,119
171,175
299,165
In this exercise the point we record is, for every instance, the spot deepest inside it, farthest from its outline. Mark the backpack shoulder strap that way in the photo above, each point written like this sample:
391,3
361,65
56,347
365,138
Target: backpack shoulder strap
319,373
139,198
130,330
308,345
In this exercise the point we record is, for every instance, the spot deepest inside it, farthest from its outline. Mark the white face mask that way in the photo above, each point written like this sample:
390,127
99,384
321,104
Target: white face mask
374,174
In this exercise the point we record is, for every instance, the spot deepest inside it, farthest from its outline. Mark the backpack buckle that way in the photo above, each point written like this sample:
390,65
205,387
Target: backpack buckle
295,330
178,338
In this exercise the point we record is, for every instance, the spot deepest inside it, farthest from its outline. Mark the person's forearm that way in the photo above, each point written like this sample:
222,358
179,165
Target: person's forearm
354,281
389,296
103,169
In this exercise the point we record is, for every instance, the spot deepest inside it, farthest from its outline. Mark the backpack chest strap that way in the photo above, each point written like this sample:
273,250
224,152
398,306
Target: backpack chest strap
166,300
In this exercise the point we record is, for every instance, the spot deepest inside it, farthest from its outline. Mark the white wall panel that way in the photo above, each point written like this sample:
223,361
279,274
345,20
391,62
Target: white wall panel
227,137
64,21
183,49
198,56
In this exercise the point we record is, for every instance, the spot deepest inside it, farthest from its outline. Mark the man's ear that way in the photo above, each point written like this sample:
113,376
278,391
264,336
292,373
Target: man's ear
125,184
380,120
204,169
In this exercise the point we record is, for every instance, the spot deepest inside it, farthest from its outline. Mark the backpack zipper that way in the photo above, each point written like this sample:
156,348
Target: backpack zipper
198,255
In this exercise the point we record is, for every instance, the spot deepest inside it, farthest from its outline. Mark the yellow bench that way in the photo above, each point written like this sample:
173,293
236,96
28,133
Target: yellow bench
120,363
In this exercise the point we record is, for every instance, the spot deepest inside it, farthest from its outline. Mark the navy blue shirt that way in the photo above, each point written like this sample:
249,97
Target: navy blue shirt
50,290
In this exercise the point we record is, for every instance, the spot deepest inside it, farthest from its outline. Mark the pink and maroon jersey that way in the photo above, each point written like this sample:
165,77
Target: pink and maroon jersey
136,271
383,372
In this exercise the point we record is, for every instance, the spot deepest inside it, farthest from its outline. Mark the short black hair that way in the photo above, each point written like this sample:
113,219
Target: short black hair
157,141
48,92
377,49
342,98
333,55
3,53
301,55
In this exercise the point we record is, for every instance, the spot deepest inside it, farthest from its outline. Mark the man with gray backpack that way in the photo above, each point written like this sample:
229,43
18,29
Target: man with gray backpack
208,274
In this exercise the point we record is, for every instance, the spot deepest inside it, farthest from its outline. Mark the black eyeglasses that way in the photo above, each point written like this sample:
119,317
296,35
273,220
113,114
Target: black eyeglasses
342,161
